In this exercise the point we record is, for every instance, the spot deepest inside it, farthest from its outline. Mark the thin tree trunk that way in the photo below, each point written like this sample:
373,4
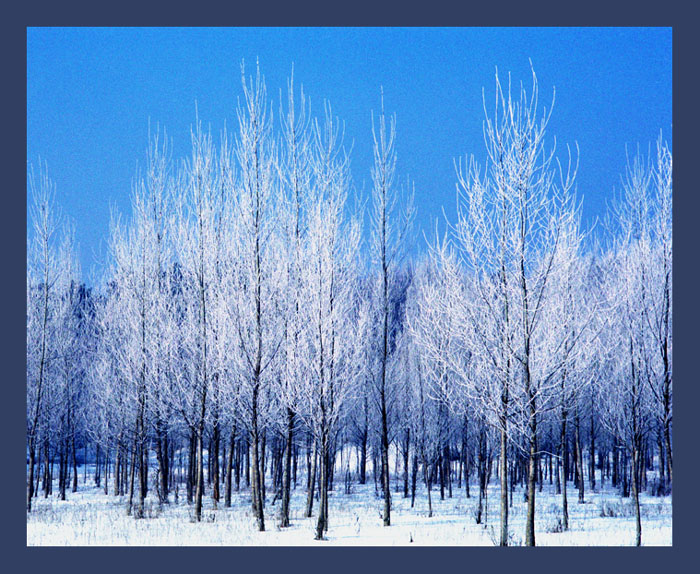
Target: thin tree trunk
75,464
131,480
579,458
263,460
312,484
256,473
662,464
406,448
385,464
61,471
321,525
117,467
635,494
503,471
426,478
286,479
363,458
669,453
564,500
229,468
30,480
37,472
481,464
592,453
199,489
532,462
162,455
191,464
216,440
414,477
47,475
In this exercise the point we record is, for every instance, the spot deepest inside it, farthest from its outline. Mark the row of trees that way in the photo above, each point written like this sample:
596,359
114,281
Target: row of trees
239,322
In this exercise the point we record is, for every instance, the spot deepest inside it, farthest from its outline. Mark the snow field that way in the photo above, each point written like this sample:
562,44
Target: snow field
89,518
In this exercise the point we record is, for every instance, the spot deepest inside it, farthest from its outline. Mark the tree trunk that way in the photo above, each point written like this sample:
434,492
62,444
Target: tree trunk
62,467
216,440
414,477
481,466
312,484
669,453
117,468
592,453
503,471
191,464
229,467
263,460
531,471
661,490
385,465
321,524
37,471
199,491
363,458
46,479
141,458
635,494
564,500
406,447
247,462
30,480
131,480
426,478
579,459
465,455
97,477
162,455
75,464
256,474
237,465
286,479
447,466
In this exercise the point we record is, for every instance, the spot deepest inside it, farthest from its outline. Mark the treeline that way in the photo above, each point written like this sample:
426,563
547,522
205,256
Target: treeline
242,335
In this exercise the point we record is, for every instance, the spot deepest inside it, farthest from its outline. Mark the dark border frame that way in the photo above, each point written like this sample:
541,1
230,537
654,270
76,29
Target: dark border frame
504,12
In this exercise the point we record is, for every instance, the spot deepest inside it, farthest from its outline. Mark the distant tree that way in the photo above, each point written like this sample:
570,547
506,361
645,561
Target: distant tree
69,350
659,304
42,271
638,293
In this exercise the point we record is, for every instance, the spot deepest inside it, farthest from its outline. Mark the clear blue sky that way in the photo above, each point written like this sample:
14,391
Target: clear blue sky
91,92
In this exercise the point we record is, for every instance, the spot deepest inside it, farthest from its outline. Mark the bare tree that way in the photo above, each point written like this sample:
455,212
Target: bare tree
658,310
638,288
329,284
42,275
254,308
295,174
500,261
389,229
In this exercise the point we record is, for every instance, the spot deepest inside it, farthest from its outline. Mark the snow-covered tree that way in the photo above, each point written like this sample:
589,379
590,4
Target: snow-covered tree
295,175
42,275
390,222
501,257
329,290
255,307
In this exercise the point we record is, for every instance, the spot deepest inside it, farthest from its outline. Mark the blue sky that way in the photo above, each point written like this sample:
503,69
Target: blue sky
91,93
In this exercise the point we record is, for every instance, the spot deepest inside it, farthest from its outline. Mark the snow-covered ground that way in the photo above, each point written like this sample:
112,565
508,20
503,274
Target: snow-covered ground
88,517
